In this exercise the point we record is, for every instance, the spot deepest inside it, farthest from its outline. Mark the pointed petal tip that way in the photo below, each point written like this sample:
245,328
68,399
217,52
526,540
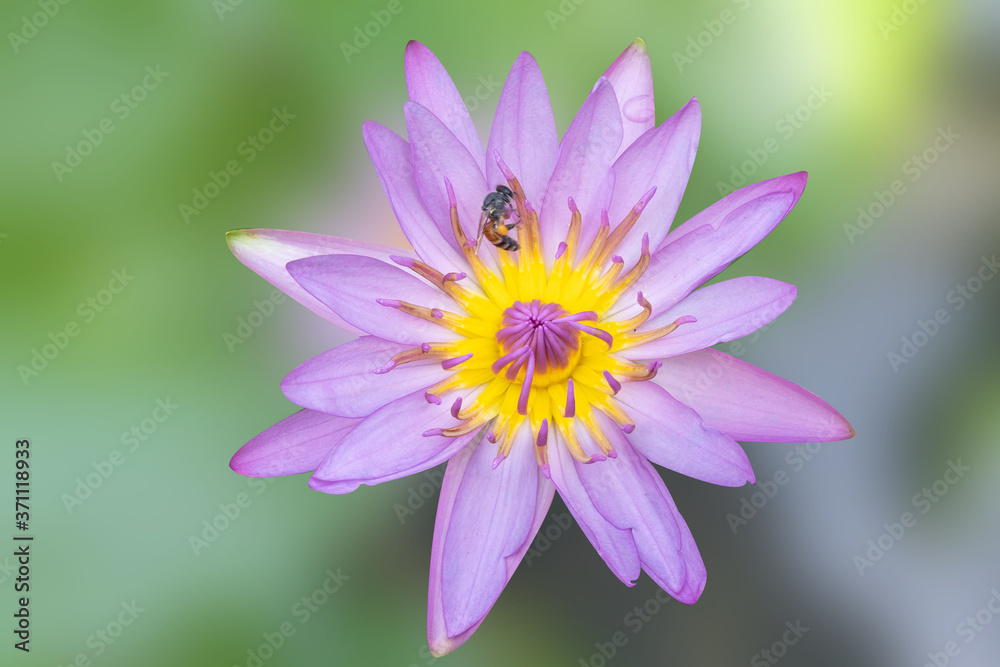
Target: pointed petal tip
842,430
236,238
637,47
525,57
442,646
692,106
689,597
368,130
836,429
797,180
236,464
234,234
414,45
245,463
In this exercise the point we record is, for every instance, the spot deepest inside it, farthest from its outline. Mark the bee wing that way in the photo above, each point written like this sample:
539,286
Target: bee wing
511,214
483,219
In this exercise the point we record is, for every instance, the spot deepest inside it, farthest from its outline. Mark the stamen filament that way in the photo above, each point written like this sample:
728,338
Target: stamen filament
625,341
624,227
425,351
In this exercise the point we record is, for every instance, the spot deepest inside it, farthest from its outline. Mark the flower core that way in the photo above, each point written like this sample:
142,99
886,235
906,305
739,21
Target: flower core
541,337
533,346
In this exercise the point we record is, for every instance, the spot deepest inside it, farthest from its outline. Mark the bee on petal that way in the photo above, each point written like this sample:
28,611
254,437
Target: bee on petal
493,224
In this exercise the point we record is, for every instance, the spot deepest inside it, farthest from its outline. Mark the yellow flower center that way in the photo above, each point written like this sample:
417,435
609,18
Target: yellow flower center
542,323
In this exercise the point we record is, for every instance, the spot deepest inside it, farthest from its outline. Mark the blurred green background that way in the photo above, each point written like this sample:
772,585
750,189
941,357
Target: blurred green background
183,84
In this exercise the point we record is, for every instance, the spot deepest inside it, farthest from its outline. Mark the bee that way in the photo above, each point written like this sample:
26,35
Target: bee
494,225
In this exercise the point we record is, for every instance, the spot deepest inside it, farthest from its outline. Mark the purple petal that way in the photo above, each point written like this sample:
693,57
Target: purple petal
629,493
437,634
583,170
350,285
749,403
631,75
296,444
268,251
661,158
524,131
342,381
388,445
613,543
428,84
490,520
792,183
439,156
706,244
672,435
390,155
724,311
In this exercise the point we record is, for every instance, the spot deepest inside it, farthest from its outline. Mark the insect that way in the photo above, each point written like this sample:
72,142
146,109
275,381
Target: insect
493,224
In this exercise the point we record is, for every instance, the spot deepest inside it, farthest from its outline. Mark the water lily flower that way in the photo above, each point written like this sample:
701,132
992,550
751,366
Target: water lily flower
571,364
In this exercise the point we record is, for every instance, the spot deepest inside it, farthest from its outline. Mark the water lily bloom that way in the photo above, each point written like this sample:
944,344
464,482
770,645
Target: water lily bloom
570,364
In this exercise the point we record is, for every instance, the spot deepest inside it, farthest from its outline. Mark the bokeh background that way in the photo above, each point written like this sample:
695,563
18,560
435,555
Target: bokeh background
895,77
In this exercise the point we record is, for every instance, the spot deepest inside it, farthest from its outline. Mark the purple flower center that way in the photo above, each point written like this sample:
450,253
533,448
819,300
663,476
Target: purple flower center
543,337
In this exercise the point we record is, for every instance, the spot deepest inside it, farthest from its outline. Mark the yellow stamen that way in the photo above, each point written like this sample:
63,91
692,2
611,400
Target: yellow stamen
538,322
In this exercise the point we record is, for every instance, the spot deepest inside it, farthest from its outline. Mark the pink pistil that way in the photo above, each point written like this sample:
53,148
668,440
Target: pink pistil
529,377
543,433
615,385
448,364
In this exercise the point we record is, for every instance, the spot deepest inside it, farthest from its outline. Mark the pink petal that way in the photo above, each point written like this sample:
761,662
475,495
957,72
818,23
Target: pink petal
343,381
350,285
391,156
524,131
706,244
437,634
268,251
428,84
389,444
583,170
672,435
791,183
613,543
631,75
296,444
490,520
439,156
628,492
749,403
725,311
661,158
